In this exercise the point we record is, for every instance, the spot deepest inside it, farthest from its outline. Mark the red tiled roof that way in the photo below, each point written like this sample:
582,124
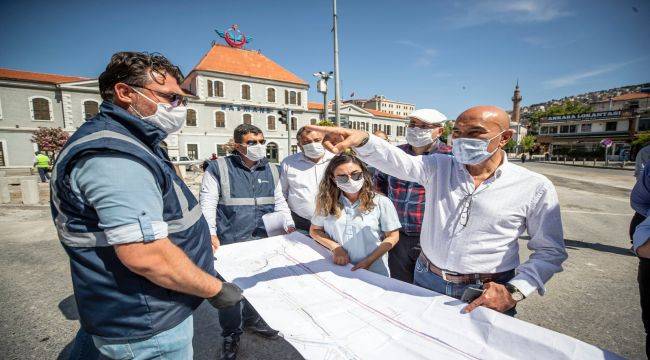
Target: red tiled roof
228,60
9,74
319,106
316,106
631,96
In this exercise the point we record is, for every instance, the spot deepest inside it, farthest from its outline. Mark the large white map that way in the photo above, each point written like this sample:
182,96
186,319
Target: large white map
327,311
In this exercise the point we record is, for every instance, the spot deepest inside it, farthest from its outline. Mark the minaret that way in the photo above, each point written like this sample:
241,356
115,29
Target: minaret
516,101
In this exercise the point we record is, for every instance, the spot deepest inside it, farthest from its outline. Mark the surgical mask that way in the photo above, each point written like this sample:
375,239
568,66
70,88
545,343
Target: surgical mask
168,118
418,137
469,151
313,150
351,186
256,152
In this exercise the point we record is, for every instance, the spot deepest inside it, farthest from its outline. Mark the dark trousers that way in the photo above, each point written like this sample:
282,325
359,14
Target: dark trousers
233,318
636,220
42,172
301,222
643,278
83,347
402,257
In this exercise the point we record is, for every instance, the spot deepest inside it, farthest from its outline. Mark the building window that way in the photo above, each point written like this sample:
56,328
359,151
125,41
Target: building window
299,98
610,126
543,130
270,122
221,150
286,96
91,108
218,89
248,119
387,129
585,128
272,152
313,121
41,109
210,89
294,123
294,149
292,98
192,151
190,119
270,95
246,92
3,162
219,119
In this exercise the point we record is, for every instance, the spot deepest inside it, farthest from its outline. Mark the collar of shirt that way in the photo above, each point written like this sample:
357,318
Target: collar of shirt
463,172
347,204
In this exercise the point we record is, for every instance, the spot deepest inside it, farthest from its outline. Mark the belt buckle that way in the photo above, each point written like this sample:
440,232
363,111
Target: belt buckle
444,275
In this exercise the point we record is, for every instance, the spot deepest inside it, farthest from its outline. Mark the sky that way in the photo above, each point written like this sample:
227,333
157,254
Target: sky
443,54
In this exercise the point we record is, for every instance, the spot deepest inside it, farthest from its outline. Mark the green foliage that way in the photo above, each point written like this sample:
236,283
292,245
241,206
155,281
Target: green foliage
642,138
446,132
528,142
50,139
325,122
566,108
510,146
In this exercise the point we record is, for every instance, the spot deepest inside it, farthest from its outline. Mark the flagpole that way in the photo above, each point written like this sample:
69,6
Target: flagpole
337,84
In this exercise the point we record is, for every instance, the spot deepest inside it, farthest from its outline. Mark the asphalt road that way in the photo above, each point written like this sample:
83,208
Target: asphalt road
595,299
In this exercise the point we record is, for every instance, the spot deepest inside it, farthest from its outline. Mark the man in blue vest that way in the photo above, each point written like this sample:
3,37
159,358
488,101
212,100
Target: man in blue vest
236,191
139,247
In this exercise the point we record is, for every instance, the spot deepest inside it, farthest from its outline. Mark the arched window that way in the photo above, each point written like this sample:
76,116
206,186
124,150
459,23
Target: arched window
248,119
270,95
40,108
272,152
270,122
190,119
246,92
91,108
219,119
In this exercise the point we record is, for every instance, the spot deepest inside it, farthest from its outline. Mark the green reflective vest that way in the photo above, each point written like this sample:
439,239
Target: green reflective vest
42,161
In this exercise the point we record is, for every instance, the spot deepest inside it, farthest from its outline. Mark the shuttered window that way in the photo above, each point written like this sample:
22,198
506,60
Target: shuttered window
210,89
91,108
246,92
270,95
190,119
248,119
218,88
219,119
41,109
270,122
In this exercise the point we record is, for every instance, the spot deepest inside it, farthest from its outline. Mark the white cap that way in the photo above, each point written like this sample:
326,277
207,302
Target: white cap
429,116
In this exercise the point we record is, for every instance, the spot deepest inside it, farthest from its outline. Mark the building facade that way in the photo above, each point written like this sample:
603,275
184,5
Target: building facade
232,86
380,103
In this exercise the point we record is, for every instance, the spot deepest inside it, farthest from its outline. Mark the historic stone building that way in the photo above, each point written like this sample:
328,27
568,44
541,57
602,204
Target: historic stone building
232,86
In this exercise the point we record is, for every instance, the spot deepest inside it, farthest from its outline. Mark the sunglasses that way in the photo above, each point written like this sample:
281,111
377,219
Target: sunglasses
342,179
255,142
172,98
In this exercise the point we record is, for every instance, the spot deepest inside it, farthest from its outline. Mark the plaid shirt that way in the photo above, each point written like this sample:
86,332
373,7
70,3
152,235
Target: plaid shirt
408,197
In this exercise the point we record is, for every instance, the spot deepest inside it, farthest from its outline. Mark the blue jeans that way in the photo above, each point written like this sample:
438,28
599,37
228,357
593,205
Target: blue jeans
423,277
173,344
232,319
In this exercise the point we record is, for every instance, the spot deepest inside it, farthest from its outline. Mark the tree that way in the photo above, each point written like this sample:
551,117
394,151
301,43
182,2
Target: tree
642,138
528,142
325,122
50,140
566,108
510,146
446,132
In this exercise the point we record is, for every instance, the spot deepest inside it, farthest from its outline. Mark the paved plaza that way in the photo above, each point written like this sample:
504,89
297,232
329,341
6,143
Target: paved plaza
595,299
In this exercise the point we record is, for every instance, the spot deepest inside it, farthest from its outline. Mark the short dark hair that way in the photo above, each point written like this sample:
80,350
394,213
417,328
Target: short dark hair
135,68
244,129
302,130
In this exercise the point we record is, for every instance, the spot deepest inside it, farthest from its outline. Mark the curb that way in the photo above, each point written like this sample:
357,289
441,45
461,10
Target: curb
584,166
24,207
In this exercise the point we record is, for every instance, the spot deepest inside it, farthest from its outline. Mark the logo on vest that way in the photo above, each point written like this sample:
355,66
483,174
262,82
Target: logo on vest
260,181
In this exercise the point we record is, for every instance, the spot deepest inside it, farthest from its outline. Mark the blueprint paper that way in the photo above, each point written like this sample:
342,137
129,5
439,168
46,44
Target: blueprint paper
274,223
327,311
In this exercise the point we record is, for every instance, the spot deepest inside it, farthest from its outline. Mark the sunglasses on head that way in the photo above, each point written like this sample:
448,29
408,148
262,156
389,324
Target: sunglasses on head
172,98
342,179
255,142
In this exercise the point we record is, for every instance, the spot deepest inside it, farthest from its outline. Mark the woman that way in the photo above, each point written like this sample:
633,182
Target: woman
356,224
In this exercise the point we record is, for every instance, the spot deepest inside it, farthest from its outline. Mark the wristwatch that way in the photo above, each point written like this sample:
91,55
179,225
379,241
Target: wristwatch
363,142
515,293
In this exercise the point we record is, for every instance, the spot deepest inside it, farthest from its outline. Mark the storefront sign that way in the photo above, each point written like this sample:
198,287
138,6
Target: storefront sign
246,108
585,116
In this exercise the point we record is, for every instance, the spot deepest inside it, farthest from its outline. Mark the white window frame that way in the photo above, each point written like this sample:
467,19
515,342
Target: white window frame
31,107
197,118
252,119
214,120
267,122
216,149
241,91
214,88
198,150
83,108
266,94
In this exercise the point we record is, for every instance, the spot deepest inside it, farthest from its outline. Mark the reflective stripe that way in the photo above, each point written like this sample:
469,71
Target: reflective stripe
97,239
224,183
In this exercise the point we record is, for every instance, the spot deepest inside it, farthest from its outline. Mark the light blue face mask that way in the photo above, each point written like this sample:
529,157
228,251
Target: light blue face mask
469,151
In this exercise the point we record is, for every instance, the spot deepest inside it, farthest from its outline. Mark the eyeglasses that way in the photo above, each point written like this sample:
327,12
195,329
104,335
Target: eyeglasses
173,99
465,210
342,179
255,142
422,126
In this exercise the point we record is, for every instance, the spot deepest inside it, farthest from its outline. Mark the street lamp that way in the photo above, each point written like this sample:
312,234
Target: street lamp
321,87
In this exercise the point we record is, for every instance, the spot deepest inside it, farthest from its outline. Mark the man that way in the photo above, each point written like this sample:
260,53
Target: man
139,249
300,176
641,158
640,201
477,206
424,129
42,164
237,190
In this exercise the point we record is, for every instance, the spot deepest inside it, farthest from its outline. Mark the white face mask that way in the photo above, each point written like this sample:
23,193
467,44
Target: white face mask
314,150
168,118
350,187
470,151
255,152
418,137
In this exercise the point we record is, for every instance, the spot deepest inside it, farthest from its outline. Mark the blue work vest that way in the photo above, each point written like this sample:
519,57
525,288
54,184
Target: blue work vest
113,301
245,194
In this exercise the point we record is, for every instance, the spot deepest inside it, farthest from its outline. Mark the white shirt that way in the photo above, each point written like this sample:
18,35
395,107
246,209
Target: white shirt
209,198
503,207
300,178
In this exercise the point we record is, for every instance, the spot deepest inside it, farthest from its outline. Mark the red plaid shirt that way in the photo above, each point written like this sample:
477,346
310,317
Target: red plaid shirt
408,197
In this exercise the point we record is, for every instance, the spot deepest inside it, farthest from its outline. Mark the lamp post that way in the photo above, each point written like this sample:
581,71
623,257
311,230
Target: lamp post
337,80
321,87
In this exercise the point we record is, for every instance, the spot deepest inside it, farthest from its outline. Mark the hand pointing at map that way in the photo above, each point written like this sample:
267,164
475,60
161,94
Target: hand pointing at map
338,139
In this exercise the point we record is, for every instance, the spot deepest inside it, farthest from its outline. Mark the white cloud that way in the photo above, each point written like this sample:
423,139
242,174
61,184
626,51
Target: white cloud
473,13
424,55
571,79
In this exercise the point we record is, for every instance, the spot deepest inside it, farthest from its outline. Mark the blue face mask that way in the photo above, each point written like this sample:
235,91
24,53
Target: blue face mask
470,151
